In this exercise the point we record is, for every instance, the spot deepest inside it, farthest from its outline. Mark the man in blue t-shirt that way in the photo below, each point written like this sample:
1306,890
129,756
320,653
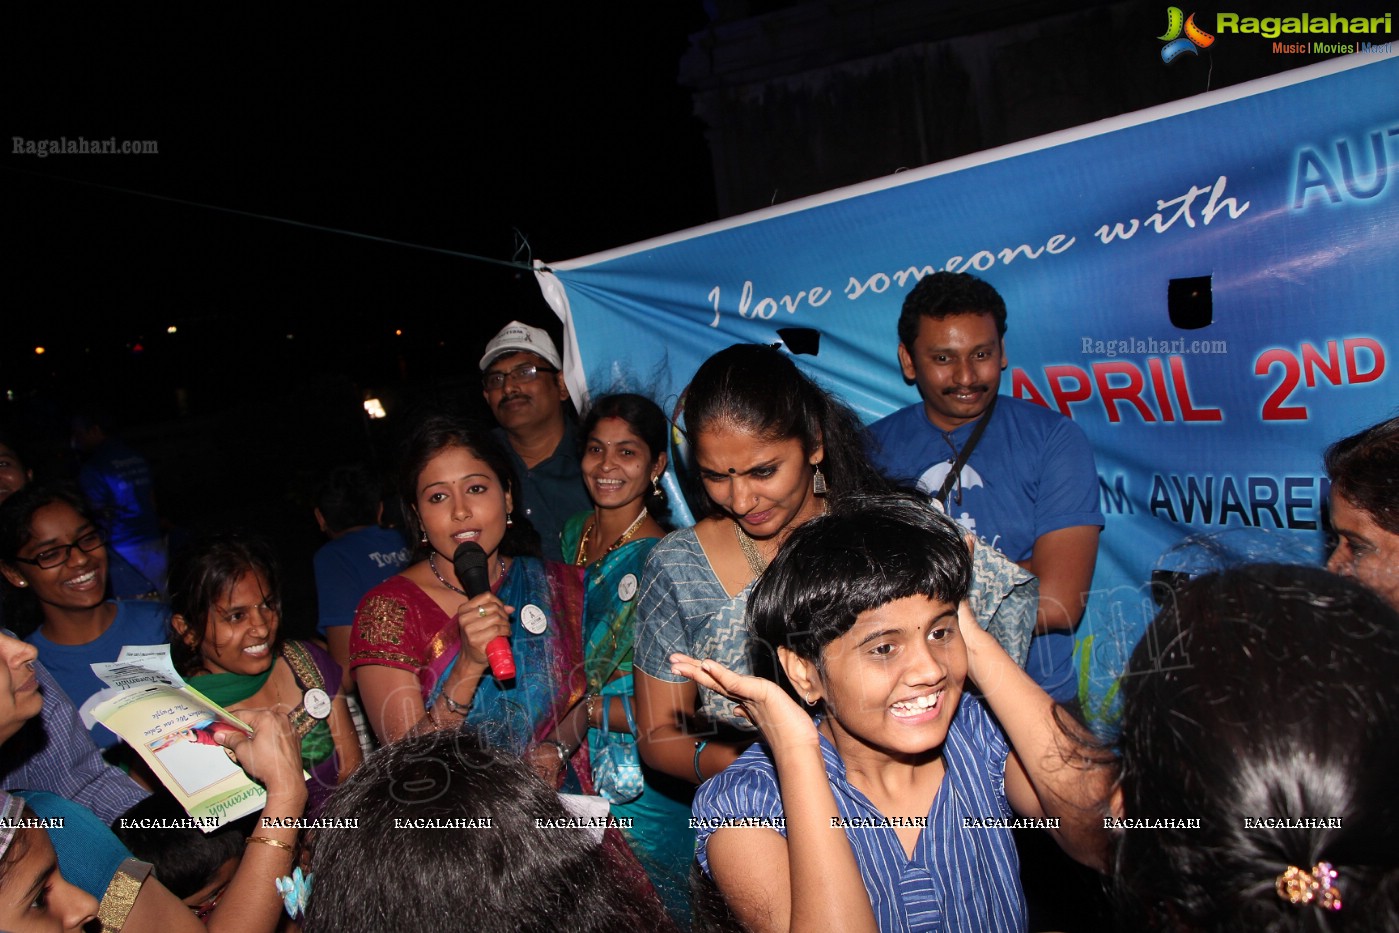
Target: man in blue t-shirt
359,556
1029,486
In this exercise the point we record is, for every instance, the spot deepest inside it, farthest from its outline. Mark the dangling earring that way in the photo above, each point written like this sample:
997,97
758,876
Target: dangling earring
424,541
508,520
657,492
818,481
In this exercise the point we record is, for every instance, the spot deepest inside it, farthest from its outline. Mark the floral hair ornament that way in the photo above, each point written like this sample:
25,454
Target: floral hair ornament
1299,886
296,892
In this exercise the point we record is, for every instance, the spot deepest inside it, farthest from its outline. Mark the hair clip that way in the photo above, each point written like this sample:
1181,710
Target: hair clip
1299,886
296,892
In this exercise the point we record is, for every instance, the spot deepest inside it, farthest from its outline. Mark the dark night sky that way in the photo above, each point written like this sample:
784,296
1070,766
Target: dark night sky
450,129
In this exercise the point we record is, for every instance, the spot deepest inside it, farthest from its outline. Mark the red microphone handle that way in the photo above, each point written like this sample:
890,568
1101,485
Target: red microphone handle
502,661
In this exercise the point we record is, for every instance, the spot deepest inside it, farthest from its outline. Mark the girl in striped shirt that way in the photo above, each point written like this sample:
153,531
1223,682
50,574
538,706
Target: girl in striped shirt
882,794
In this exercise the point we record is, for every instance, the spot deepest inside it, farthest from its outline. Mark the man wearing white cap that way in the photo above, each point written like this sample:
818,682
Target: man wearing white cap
525,391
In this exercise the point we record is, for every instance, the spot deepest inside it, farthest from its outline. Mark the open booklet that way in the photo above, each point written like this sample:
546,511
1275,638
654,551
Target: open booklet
173,726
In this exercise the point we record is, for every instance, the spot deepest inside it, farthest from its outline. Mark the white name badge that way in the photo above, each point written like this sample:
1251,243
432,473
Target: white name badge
533,619
317,703
626,588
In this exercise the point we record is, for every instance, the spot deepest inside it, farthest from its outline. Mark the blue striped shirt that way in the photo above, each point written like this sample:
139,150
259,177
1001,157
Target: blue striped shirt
959,879
54,752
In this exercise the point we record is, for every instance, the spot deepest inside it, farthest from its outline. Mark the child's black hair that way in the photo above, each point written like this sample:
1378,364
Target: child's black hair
514,876
870,551
185,860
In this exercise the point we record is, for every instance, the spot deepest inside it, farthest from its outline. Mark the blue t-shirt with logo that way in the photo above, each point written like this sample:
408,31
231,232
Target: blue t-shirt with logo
352,565
1031,473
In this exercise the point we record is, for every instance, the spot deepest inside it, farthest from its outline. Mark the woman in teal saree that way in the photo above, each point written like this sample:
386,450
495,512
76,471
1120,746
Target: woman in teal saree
623,457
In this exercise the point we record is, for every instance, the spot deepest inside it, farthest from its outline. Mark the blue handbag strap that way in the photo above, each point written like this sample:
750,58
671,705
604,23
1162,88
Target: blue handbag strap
626,708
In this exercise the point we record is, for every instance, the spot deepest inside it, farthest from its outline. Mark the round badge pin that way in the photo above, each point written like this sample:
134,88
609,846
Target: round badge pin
626,588
533,619
317,703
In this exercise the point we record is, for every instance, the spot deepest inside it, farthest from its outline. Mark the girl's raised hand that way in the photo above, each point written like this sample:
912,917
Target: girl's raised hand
782,720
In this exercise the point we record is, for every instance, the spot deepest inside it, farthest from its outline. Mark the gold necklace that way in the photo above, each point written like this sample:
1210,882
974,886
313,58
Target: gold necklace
581,558
432,563
749,547
750,551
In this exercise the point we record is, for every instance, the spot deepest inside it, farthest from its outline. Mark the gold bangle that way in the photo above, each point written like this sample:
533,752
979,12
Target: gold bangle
269,841
122,891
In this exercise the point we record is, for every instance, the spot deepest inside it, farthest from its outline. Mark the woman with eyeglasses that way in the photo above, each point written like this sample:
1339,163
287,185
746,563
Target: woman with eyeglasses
53,559
771,448
124,580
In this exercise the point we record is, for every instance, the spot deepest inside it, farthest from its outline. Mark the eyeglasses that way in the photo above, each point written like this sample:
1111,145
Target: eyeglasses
519,375
58,555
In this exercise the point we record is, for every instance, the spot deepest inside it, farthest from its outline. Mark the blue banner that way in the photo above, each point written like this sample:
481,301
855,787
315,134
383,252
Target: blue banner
1278,199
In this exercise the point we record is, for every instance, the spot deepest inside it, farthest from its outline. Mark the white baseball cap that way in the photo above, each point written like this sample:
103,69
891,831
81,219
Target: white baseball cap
521,338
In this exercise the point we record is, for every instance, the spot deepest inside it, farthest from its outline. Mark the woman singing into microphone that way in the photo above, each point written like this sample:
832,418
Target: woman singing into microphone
419,641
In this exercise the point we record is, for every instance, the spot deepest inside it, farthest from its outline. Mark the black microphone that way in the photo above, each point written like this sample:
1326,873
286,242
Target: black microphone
470,565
